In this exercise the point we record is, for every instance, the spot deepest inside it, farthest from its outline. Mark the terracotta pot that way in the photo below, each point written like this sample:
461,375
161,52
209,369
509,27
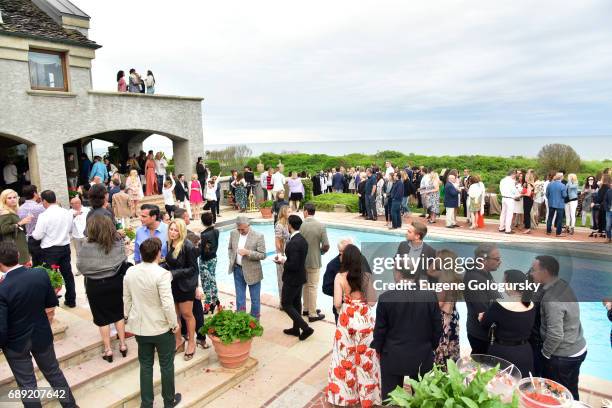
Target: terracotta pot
58,290
232,355
266,212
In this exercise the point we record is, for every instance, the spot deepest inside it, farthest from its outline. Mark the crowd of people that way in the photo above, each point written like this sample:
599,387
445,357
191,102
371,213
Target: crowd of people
373,349
135,82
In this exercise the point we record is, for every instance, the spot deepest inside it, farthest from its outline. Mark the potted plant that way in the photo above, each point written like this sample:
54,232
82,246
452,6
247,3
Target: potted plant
453,388
266,208
232,334
55,276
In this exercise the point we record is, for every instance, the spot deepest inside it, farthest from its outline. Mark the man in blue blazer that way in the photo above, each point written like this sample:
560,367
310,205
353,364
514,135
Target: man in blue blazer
556,192
25,329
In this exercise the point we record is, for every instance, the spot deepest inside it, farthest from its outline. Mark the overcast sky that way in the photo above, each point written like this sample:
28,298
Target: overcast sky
331,70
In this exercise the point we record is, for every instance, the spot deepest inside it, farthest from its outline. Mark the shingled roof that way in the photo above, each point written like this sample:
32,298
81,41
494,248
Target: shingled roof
23,19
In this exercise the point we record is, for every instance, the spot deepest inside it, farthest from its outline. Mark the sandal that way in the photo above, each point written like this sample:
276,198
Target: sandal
203,344
189,356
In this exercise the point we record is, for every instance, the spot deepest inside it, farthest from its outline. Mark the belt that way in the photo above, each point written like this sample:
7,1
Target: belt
510,342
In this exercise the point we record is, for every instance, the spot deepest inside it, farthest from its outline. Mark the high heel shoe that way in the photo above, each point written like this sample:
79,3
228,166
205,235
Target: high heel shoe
189,356
180,348
107,357
123,351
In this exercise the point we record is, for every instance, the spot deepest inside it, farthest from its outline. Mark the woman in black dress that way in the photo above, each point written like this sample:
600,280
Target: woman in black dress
182,262
101,260
513,318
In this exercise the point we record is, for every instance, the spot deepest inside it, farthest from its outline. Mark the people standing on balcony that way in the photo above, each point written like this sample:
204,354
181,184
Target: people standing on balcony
121,84
133,188
134,81
150,82
151,178
160,169
195,196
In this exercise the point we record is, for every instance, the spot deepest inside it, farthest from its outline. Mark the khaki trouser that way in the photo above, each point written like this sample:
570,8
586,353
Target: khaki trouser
309,291
450,217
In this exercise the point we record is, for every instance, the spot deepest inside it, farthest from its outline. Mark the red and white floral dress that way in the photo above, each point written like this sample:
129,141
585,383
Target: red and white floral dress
354,373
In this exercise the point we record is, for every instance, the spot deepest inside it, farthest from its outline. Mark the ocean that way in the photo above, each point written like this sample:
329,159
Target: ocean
588,148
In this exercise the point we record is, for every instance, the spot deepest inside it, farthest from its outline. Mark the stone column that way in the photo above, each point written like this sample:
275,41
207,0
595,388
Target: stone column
50,157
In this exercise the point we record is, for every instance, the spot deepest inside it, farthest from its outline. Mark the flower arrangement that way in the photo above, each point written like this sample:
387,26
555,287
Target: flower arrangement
230,326
57,281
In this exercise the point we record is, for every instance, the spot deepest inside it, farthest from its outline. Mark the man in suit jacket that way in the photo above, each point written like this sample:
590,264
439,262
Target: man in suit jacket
294,276
451,201
181,191
315,234
415,248
149,312
27,304
246,250
406,333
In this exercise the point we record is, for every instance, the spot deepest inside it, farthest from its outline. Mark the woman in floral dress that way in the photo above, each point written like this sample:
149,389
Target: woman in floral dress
133,188
354,373
448,348
240,192
433,203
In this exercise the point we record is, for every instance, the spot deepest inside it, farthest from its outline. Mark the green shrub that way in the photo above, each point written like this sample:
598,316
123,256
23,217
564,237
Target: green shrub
307,189
214,167
326,202
266,204
230,326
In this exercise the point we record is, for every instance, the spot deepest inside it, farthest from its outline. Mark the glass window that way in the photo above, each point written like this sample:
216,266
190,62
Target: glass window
47,70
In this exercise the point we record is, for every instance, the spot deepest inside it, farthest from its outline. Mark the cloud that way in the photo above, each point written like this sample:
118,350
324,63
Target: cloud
276,70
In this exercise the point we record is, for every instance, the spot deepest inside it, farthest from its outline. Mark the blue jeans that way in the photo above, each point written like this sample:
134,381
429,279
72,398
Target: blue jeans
396,217
254,291
405,207
160,183
558,220
609,224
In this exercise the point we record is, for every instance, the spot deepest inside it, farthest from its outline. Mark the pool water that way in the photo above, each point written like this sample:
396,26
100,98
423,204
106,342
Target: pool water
595,323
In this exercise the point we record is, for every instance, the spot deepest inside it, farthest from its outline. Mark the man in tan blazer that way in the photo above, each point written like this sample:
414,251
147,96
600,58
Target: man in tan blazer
246,250
316,235
149,312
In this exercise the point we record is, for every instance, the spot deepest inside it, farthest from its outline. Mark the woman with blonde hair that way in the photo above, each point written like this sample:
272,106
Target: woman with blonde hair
101,260
12,228
133,187
570,206
182,262
195,196
281,236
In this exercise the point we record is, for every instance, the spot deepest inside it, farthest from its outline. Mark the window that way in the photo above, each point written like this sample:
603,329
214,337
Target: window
48,70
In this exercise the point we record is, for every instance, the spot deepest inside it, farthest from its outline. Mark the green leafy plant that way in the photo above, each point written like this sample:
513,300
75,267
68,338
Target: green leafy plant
229,326
55,276
266,204
449,390
326,202
130,233
72,194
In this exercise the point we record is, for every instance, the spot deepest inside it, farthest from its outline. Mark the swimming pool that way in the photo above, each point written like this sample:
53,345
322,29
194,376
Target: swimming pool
595,323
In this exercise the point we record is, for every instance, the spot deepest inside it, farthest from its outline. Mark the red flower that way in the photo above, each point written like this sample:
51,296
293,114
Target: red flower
367,366
364,311
338,334
350,383
369,353
365,331
340,372
357,359
350,311
211,331
362,348
252,324
371,387
343,319
351,331
366,404
352,401
333,388
351,350
54,266
346,364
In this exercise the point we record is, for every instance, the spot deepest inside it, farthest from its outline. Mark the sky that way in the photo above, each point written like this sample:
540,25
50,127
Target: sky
280,71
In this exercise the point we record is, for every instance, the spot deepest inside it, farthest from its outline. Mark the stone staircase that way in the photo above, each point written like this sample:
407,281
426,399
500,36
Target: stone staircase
97,383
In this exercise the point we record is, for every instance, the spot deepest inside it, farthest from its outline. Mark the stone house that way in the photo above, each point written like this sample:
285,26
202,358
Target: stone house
48,107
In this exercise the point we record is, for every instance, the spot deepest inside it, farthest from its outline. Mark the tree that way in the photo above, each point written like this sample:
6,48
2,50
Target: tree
553,157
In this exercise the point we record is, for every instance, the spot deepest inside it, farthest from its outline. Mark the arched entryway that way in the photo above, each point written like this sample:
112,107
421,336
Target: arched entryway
18,166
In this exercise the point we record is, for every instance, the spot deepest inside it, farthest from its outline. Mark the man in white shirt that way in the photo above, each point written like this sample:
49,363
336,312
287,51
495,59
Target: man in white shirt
53,229
389,170
10,175
278,182
507,189
79,221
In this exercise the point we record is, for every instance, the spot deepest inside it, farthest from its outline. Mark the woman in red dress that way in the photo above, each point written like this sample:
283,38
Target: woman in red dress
150,175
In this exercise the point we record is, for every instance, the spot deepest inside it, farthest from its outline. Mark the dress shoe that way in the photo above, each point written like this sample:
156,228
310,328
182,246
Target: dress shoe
177,399
305,312
306,333
292,332
318,317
